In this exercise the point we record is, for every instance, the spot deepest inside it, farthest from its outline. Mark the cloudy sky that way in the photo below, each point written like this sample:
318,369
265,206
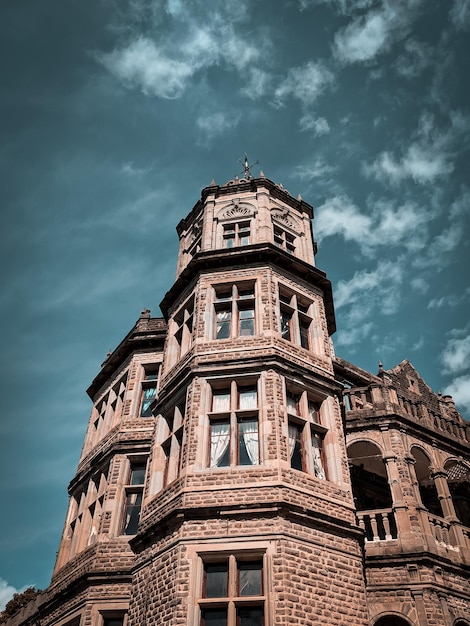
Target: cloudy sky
115,113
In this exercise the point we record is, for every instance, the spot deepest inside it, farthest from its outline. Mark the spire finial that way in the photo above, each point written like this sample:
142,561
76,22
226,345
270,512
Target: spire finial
247,167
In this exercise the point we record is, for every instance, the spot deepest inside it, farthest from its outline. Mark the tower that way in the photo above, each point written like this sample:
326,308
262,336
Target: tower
235,472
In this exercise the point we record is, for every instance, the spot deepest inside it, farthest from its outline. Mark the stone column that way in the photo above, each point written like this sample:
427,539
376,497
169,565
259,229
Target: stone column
444,608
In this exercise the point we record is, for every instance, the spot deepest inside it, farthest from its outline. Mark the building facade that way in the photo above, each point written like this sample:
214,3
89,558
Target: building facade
235,472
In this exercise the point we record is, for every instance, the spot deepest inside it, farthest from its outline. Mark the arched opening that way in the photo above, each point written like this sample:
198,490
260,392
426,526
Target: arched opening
427,487
461,622
392,620
458,479
371,491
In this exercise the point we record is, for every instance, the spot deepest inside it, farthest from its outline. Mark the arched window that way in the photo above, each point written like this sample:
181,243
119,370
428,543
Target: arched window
371,491
458,479
427,487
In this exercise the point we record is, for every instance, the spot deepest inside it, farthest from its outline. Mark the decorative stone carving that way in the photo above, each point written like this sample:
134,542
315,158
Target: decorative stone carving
284,218
236,210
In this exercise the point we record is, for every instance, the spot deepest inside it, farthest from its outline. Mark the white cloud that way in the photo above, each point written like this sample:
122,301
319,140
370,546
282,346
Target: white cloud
367,294
306,83
459,389
372,33
318,125
420,285
162,62
258,83
379,285
385,225
456,354
142,64
443,301
416,57
7,591
340,216
314,170
213,125
460,14
429,155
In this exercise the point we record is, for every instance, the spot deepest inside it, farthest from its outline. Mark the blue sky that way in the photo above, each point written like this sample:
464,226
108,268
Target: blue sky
115,113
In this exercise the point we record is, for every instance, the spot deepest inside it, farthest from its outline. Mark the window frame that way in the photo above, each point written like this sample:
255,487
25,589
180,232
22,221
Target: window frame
149,382
133,489
233,412
304,415
295,318
234,601
284,239
238,302
236,232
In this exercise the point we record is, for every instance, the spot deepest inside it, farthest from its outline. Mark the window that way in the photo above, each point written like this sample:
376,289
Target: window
149,390
305,433
172,445
233,422
295,318
134,493
184,332
284,240
236,234
234,311
233,592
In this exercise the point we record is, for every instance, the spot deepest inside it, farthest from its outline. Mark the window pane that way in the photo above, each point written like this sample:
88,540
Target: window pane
151,374
223,324
131,521
220,444
148,396
214,617
304,334
250,616
247,398
293,402
295,447
285,325
247,322
248,442
246,292
216,576
113,621
137,475
313,411
317,460
249,578
220,400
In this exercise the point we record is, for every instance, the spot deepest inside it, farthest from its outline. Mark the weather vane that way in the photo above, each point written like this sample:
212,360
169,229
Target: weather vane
247,167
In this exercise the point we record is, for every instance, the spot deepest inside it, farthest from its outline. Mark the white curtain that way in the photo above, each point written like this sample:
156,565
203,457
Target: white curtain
221,401
220,439
248,399
317,462
293,433
249,432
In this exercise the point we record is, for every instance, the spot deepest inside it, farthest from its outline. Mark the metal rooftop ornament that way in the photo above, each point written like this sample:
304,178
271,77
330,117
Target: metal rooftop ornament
247,167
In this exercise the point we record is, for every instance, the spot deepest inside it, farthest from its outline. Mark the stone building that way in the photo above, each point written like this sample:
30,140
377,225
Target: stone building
235,472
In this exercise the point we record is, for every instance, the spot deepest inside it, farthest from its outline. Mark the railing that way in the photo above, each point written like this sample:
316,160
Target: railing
360,399
378,525
440,530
